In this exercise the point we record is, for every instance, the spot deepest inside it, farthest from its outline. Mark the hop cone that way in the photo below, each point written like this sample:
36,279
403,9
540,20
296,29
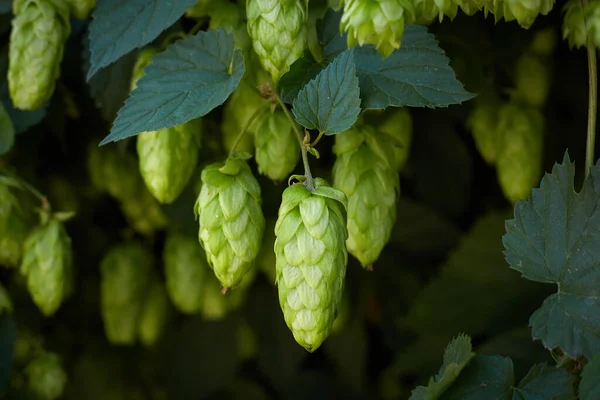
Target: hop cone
526,11
483,122
573,28
47,264
592,17
81,9
15,223
230,17
144,59
39,31
143,213
470,7
155,314
46,377
277,149
521,130
311,259
399,125
125,276
278,32
364,170
377,22
185,272
231,219
168,158
532,79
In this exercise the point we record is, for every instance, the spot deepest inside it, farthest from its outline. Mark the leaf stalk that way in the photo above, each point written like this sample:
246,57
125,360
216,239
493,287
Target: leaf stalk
592,102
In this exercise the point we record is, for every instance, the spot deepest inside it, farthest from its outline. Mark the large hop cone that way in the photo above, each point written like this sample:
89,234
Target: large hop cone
15,223
126,272
231,219
521,135
311,259
46,376
168,158
377,22
48,265
365,171
81,9
277,148
483,122
39,31
185,272
278,31
399,126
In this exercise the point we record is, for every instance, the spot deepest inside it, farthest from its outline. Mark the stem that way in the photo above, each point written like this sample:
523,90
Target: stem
313,144
247,126
307,174
592,105
24,185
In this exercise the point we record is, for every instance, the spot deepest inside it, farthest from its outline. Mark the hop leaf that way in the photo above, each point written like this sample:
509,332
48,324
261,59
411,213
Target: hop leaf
47,264
365,171
519,163
185,272
277,149
399,126
278,31
155,314
125,277
46,377
311,259
81,9
39,31
168,158
231,219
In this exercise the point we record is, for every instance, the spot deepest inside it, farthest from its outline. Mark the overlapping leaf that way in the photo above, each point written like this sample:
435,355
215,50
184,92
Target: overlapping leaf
186,81
589,387
119,26
554,238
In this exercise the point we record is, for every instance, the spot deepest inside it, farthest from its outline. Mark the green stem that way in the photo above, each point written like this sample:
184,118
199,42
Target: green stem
18,182
247,126
307,174
313,144
592,102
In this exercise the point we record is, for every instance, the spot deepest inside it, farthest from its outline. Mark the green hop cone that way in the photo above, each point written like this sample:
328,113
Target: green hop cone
592,18
526,11
311,259
155,314
168,158
377,22
364,170
231,219
15,223
144,59
277,148
278,31
81,9
470,7
399,125
39,31
186,272
143,213
519,164
532,79
46,376
48,265
483,122
230,17
126,272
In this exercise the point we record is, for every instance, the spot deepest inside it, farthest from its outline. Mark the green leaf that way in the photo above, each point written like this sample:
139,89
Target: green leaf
589,387
330,103
186,81
7,131
119,26
543,382
457,355
486,377
554,238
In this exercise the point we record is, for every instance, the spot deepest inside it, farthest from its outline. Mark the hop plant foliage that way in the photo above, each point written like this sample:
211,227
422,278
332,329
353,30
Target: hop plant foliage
15,223
39,31
231,220
278,31
46,377
48,265
366,172
311,258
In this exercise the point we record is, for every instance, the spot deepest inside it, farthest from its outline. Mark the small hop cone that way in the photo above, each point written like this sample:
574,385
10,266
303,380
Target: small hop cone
231,219
168,158
230,17
186,272
483,122
46,376
532,79
519,164
592,17
364,170
15,223
426,11
399,125
48,265
277,149
126,272
526,11
81,9
311,259
279,34
37,39
377,22
143,213
155,314
470,7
